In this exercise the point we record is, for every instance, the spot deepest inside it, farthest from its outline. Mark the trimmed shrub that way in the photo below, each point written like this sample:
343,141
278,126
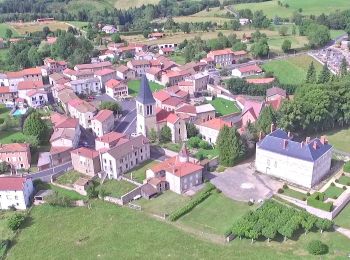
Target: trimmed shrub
205,193
15,221
308,194
332,184
280,191
316,201
316,247
204,145
303,199
344,188
250,203
336,180
194,142
285,186
346,167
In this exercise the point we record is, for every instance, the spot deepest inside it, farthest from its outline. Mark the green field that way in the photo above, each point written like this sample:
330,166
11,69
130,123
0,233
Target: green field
343,219
116,188
69,178
224,107
340,139
178,58
5,232
291,70
295,194
206,216
314,7
134,86
333,191
7,137
4,27
109,232
345,180
78,24
139,172
165,203
208,153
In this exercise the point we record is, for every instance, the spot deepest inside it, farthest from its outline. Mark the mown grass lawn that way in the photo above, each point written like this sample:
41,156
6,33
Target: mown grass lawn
139,172
207,153
216,214
291,70
165,203
134,87
7,137
4,111
333,191
340,139
4,27
69,178
171,146
345,180
116,188
178,58
224,107
295,194
343,219
107,231
5,232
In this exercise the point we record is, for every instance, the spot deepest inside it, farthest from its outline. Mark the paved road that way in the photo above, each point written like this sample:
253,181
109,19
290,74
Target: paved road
45,175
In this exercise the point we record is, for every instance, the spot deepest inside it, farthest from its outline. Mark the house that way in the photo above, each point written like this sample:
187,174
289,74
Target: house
126,155
222,57
244,21
6,96
82,110
173,77
81,185
103,122
303,163
66,131
86,161
170,98
78,74
139,66
94,66
195,84
246,71
156,35
60,155
260,81
116,89
64,96
36,98
104,75
17,155
30,74
109,141
192,113
26,86
167,45
109,29
275,93
166,51
149,117
125,73
176,173
144,55
251,111
58,79
85,86
210,129
52,66
15,192
154,73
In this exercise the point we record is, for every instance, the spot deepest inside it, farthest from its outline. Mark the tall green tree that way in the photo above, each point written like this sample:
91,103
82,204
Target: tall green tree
311,73
191,129
111,105
286,46
325,74
343,67
35,126
260,48
267,117
8,33
165,134
230,146
116,38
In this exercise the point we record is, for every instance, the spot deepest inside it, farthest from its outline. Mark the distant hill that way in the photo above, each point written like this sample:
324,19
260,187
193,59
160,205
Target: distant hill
101,4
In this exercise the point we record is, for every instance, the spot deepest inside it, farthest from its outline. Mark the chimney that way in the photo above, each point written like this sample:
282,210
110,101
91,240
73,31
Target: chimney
260,136
272,127
323,140
289,135
285,143
302,144
307,140
315,146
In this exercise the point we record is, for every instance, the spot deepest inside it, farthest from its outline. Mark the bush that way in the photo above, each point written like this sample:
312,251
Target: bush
204,145
218,191
205,193
91,192
344,188
336,180
303,199
56,199
194,142
335,197
285,186
332,184
228,233
250,203
316,247
308,194
346,167
15,221
280,191
4,245
220,168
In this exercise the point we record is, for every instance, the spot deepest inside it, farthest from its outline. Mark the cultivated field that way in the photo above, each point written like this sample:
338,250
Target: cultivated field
315,7
106,231
291,70
24,28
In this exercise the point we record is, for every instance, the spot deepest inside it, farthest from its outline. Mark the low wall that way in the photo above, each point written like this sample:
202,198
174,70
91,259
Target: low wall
126,198
69,188
113,200
131,181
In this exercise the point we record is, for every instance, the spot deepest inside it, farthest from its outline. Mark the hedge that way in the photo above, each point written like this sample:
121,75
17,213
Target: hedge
346,167
205,193
316,201
4,245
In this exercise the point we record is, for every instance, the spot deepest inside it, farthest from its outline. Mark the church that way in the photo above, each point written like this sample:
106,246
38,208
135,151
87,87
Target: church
149,116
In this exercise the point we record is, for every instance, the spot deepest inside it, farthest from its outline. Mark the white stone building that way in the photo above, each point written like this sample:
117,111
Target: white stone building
303,163
15,192
85,86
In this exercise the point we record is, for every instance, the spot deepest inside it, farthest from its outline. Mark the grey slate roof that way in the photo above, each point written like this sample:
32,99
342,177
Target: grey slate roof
145,95
274,143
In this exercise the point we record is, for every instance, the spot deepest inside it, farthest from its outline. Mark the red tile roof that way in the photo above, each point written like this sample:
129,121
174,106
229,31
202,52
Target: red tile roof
59,149
28,84
86,152
261,80
165,116
276,91
104,72
33,92
216,123
161,95
249,68
14,147
103,115
12,183
189,109
177,168
173,101
239,53
110,137
185,83
220,52
93,65
153,70
122,68
4,90
112,83
276,104
68,123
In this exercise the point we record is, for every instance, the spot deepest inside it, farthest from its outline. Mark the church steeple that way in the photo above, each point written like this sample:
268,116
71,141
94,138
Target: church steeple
145,95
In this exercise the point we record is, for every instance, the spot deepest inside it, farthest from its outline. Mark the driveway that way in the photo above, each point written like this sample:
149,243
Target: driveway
242,183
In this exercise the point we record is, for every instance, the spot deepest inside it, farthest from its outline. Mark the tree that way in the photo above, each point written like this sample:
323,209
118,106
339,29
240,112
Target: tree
294,30
194,142
239,228
252,234
283,30
230,146
325,75
185,27
191,130
266,119
316,247
343,67
347,29
8,33
153,136
91,192
260,48
46,30
15,221
269,232
35,126
111,105
286,231
260,20
318,35
165,134
308,222
116,38
324,224
4,167
311,73
34,56
286,46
